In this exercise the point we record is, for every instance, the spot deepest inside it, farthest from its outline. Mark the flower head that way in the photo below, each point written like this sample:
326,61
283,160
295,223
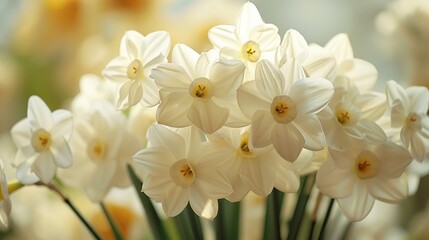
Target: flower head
42,142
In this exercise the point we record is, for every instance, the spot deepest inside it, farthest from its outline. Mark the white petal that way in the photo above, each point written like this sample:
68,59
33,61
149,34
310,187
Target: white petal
292,71
202,205
340,46
63,124
130,93
100,182
395,92
171,77
248,18
202,66
358,205
173,110
21,133
207,116
130,44
287,140
335,135
266,35
150,96
212,183
269,80
262,123
223,36
116,69
295,46
259,175
373,133
175,200
311,129
38,114
395,159
371,104
44,167
311,95
250,100
25,175
185,57
287,178
157,43
361,72
389,190
227,77
155,185
161,136
418,148
333,181
231,53
61,153
320,63
418,99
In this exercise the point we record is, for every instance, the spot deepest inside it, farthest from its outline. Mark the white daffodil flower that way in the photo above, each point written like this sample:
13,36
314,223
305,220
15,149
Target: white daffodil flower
196,90
352,114
179,170
362,73
250,40
365,173
282,105
408,111
137,56
102,147
42,141
316,61
252,169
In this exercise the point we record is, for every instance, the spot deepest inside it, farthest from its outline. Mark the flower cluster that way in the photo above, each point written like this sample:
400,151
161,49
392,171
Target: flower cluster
252,114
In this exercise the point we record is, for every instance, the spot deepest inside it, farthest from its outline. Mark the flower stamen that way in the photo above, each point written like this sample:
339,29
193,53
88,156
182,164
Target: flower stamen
251,51
182,173
201,88
367,165
283,109
41,140
135,69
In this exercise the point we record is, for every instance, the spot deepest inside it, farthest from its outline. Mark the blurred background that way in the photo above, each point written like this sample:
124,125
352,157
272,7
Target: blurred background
47,45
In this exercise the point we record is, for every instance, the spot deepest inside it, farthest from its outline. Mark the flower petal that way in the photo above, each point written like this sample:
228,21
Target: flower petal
311,129
362,73
266,35
63,124
371,104
44,167
418,99
25,174
131,44
21,133
171,77
202,205
418,148
340,46
269,80
262,123
250,101
320,63
61,153
287,178
287,140
292,71
157,43
373,133
259,175
175,200
223,36
154,186
38,114
294,45
173,110
161,136
207,116
389,190
358,205
185,57
130,93
248,18
333,181
311,95
227,77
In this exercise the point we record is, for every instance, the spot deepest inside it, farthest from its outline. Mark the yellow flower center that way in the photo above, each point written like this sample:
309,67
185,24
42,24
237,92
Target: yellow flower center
135,70
367,165
41,140
244,149
97,149
182,173
413,121
283,109
201,88
251,51
346,114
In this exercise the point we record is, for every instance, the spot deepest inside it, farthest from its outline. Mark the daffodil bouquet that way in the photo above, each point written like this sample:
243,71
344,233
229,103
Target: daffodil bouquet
195,133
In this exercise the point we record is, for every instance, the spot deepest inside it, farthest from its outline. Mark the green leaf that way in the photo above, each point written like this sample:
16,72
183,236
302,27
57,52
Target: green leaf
272,215
152,216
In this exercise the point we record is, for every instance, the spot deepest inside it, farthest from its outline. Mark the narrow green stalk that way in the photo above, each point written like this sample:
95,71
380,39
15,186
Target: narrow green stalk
298,215
197,230
314,217
67,201
154,221
219,222
115,229
272,215
227,221
325,221
183,224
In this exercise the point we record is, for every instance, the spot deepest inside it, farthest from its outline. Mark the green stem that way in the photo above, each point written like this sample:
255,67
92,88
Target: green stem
325,221
197,230
304,195
154,221
67,201
115,229
314,217
227,221
272,215
219,222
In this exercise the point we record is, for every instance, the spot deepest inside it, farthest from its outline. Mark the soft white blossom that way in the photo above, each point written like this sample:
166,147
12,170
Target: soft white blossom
42,141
